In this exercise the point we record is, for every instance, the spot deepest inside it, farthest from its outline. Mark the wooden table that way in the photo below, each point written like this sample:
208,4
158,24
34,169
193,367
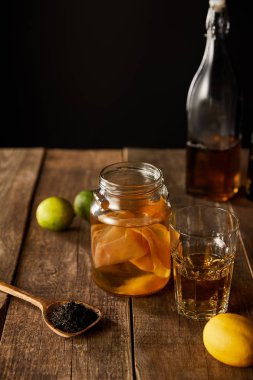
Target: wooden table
138,338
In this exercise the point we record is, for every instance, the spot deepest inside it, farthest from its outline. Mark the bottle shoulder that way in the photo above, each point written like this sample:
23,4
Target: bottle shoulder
216,56
215,74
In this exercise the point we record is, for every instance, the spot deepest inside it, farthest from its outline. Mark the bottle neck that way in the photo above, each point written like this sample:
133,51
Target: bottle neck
217,28
217,23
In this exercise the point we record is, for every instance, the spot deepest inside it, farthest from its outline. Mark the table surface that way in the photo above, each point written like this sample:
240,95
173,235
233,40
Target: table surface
138,338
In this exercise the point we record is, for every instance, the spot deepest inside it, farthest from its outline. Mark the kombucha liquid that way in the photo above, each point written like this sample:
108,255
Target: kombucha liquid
214,173
128,256
203,292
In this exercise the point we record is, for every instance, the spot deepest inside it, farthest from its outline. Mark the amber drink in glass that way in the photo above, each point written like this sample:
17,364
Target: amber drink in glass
203,247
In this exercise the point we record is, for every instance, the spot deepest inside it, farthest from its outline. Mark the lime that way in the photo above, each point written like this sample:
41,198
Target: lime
55,214
82,204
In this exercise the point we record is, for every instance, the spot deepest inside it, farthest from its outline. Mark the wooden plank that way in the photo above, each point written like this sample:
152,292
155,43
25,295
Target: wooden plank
244,210
54,265
19,170
57,265
166,345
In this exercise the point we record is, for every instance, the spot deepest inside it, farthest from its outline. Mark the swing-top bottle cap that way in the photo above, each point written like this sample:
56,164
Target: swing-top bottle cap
217,5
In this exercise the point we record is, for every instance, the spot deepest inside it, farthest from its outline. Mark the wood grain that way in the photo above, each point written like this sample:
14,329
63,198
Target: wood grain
139,338
168,346
57,265
19,170
244,210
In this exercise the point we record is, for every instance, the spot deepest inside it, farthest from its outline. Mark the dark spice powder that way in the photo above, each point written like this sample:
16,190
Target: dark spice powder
72,317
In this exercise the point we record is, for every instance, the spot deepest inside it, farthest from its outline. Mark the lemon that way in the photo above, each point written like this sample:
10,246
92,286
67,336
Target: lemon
55,214
229,338
82,203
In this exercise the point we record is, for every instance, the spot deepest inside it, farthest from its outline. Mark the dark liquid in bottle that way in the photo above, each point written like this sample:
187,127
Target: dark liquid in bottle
213,173
249,181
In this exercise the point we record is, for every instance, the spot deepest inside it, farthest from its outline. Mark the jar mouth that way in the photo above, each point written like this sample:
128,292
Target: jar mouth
130,178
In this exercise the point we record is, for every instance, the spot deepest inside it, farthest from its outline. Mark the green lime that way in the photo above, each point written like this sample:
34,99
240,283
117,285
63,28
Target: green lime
55,214
82,204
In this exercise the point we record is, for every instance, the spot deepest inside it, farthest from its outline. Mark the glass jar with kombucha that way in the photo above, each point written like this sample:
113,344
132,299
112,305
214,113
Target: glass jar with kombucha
130,245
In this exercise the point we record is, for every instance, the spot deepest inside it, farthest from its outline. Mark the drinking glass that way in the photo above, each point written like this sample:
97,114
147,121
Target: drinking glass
203,247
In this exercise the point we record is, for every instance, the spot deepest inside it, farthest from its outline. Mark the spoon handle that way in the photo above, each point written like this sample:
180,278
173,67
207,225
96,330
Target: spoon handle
14,291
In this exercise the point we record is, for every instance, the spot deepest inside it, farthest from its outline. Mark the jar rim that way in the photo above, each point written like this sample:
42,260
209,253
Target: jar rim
130,178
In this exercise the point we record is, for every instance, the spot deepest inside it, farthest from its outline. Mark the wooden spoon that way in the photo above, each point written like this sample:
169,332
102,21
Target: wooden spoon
47,307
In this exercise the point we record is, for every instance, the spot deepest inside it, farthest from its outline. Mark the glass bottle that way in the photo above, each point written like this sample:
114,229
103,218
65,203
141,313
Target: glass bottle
213,108
129,230
249,180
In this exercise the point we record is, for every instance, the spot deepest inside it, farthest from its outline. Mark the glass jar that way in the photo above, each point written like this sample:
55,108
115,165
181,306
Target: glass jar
129,229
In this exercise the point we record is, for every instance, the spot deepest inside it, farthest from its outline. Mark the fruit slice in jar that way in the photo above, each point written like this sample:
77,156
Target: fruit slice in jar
145,247
113,245
156,210
158,258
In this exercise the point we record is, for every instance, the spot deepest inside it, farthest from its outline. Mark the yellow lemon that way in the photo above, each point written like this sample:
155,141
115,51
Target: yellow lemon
82,203
229,338
55,213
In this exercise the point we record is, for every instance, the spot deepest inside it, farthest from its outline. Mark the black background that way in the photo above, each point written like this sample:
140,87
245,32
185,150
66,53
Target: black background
90,74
